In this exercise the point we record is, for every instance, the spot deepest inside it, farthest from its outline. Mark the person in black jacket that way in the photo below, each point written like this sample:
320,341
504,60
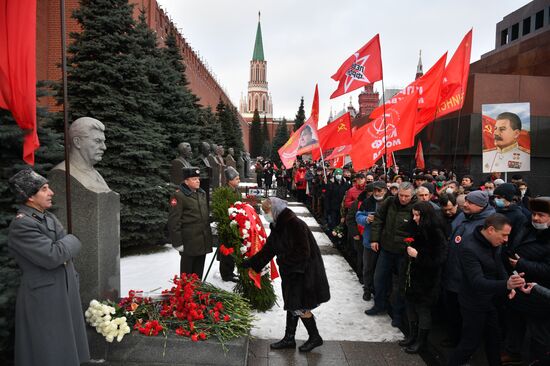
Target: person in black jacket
530,254
303,278
504,199
334,195
484,281
426,256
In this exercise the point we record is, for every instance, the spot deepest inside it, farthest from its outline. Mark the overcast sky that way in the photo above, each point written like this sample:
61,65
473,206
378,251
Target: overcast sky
306,41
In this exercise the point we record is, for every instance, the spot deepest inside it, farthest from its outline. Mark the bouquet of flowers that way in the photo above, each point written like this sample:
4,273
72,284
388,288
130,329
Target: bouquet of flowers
242,235
190,308
338,232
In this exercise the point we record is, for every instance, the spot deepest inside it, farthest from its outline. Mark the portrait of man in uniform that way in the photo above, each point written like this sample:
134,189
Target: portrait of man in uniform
307,138
506,140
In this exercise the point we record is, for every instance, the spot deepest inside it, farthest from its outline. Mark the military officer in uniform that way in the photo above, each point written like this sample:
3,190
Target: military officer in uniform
49,322
507,155
227,263
189,224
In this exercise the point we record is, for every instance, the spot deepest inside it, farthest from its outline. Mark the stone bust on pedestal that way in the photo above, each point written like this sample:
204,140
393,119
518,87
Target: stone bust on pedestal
87,139
95,211
215,165
182,161
230,158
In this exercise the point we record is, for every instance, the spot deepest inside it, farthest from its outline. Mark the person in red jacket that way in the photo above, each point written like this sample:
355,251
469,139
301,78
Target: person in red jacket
301,183
355,190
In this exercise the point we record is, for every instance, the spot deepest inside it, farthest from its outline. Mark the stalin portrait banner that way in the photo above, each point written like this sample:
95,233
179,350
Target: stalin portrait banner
505,137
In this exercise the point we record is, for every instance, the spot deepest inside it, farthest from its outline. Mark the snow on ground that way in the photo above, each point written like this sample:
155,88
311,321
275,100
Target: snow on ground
342,318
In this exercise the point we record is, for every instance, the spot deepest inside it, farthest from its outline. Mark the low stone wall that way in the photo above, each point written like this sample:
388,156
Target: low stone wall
137,350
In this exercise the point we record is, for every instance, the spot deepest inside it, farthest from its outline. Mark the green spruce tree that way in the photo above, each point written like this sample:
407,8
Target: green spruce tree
256,141
112,78
300,116
281,137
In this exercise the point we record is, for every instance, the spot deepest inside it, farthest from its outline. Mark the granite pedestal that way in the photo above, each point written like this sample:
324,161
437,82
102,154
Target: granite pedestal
96,222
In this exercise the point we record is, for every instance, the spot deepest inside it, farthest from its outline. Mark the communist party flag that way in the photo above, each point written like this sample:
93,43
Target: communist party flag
315,107
336,133
428,88
340,151
455,78
18,68
419,156
362,68
370,142
338,162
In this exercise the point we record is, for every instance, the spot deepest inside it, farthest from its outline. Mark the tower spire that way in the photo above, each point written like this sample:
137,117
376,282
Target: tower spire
258,54
419,71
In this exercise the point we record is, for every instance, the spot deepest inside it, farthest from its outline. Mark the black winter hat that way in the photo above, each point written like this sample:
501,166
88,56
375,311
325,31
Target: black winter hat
191,172
506,191
540,204
25,183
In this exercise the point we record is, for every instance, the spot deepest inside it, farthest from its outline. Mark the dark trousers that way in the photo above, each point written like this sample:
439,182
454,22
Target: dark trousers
227,264
192,264
421,314
452,315
369,265
385,266
358,246
478,327
333,218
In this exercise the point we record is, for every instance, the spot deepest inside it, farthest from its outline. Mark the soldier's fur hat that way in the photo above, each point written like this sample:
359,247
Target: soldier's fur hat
191,172
25,184
231,173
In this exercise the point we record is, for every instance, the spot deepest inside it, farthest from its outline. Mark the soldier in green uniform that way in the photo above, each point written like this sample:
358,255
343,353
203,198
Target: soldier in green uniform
189,224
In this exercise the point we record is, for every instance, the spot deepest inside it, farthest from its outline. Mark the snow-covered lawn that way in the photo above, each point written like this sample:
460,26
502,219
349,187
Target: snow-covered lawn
341,318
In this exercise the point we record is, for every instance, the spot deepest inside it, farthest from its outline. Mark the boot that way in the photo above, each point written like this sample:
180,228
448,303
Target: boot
314,339
420,341
288,340
411,338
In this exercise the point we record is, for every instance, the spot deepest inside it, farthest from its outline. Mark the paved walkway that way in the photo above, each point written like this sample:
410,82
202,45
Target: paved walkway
332,352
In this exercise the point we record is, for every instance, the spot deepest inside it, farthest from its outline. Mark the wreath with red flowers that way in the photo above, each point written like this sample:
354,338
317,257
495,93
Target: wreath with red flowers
242,235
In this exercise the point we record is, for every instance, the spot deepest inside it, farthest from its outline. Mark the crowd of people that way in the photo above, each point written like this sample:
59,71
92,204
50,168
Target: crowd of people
476,252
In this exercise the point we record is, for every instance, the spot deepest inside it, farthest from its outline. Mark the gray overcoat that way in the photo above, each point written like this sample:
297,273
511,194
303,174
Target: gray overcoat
189,222
49,322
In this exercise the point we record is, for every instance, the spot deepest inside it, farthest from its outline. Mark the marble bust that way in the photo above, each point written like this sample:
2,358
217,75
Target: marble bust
182,161
87,145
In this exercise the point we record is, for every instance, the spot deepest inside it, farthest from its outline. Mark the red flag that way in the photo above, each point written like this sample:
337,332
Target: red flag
336,133
368,142
362,68
315,107
339,152
390,163
455,78
428,87
338,162
419,156
304,140
18,68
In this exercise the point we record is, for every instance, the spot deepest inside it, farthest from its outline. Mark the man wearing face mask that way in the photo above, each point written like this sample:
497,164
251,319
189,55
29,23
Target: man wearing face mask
334,195
364,218
530,253
504,202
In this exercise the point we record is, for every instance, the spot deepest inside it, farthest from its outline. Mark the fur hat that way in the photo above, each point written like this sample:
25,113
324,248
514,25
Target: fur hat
506,191
191,172
25,183
540,204
231,173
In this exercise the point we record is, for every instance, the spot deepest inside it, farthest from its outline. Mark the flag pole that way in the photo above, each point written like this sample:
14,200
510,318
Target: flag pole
66,118
457,131
323,161
385,131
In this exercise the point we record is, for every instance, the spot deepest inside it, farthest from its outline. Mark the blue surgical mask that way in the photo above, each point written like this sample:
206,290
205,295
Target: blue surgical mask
499,202
269,218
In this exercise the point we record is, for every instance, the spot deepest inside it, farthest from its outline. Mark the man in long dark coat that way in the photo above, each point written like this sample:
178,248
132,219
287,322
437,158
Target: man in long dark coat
49,322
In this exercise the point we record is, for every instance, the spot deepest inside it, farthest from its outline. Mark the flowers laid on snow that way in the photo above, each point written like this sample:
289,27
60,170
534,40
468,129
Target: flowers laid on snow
190,308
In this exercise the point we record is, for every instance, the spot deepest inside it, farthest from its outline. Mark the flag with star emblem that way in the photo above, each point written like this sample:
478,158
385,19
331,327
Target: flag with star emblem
362,68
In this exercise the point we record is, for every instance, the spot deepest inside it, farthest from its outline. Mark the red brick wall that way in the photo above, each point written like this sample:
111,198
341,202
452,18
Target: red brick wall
48,50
